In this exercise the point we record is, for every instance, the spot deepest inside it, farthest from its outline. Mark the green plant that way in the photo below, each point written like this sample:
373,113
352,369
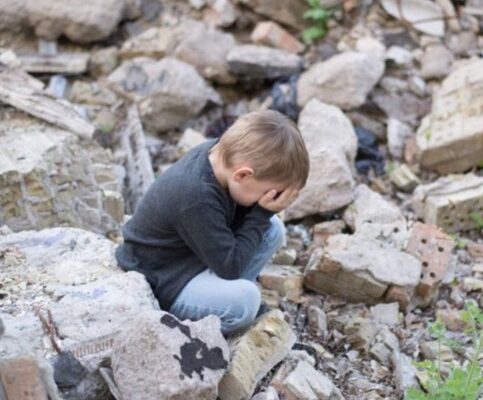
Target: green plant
477,218
320,16
459,242
460,383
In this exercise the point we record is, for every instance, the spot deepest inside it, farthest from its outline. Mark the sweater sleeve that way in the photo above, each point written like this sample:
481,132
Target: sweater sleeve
204,229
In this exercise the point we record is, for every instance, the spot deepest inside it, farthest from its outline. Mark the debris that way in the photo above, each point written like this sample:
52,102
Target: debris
287,280
323,230
360,269
433,248
262,61
330,181
450,201
450,138
423,15
254,353
26,93
404,178
386,314
436,62
167,92
397,134
189,140
271,34
317,320
368,155
287,12
285,256
185,359
343,80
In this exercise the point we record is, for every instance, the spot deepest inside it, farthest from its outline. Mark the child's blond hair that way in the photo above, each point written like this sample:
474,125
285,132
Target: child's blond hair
270,143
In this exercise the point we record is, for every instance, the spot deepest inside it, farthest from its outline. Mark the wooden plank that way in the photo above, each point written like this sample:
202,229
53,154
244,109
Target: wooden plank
21,379
21,91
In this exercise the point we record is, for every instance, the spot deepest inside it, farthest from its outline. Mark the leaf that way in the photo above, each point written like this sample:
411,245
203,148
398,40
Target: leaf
310,34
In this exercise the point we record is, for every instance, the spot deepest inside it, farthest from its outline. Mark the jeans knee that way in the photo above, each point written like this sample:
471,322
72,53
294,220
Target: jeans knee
277,233
244,307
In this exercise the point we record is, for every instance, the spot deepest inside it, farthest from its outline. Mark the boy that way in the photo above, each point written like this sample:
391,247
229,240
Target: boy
207,226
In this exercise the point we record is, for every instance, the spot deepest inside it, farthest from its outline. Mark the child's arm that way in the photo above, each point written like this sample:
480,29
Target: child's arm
205,230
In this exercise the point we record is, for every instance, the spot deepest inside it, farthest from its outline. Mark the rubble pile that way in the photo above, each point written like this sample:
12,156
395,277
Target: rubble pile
99,98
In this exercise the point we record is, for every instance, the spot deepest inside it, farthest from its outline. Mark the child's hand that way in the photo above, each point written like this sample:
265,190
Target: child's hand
275,203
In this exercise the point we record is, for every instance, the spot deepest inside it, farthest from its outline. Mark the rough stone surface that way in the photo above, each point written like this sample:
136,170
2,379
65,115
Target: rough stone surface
156,356
449,202
155,42
404,178
397,134
450,138
387,314
255,353
55,179
344,80
360,269
79,21
167,92
332,144
433,248
207,50
436,62
262,61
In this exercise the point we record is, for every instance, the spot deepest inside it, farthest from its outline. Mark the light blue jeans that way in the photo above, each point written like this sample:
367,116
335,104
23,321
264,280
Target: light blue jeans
235,301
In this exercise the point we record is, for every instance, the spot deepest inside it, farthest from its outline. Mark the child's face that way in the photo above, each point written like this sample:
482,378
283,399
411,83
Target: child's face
246,190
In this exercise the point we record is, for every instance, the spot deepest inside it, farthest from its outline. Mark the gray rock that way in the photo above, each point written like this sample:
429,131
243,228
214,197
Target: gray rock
167,92
262,61
77,20
343,80
404,372
387,314
156,356
436,62
384,345
397,134
332,144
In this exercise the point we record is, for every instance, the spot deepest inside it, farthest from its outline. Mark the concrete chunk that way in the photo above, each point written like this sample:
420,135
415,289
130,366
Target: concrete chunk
450,201
254,354
287,280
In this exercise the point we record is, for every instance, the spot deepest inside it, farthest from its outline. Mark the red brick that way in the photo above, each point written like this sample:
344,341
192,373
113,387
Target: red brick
433,248
272,34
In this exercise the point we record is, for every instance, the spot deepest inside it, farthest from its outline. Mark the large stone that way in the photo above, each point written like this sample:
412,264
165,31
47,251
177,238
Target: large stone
343,80
288,12
332,145
77,20
167,92
156,356
48,177
450,202
64,292
360,269
255,353
262,61
450,138
207,50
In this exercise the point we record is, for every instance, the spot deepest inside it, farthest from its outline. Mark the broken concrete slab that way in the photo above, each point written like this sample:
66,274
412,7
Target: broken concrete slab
139,169
270,33
305,382
404,178
433,248
423,15
450,201
185,359
343,80
287,280
78,21
167,92
63,63
330,183
48,177
21,91
262,62
450,138
264,345
360,269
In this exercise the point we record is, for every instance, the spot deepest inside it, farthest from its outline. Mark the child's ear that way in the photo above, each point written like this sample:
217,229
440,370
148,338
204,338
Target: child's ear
243,173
